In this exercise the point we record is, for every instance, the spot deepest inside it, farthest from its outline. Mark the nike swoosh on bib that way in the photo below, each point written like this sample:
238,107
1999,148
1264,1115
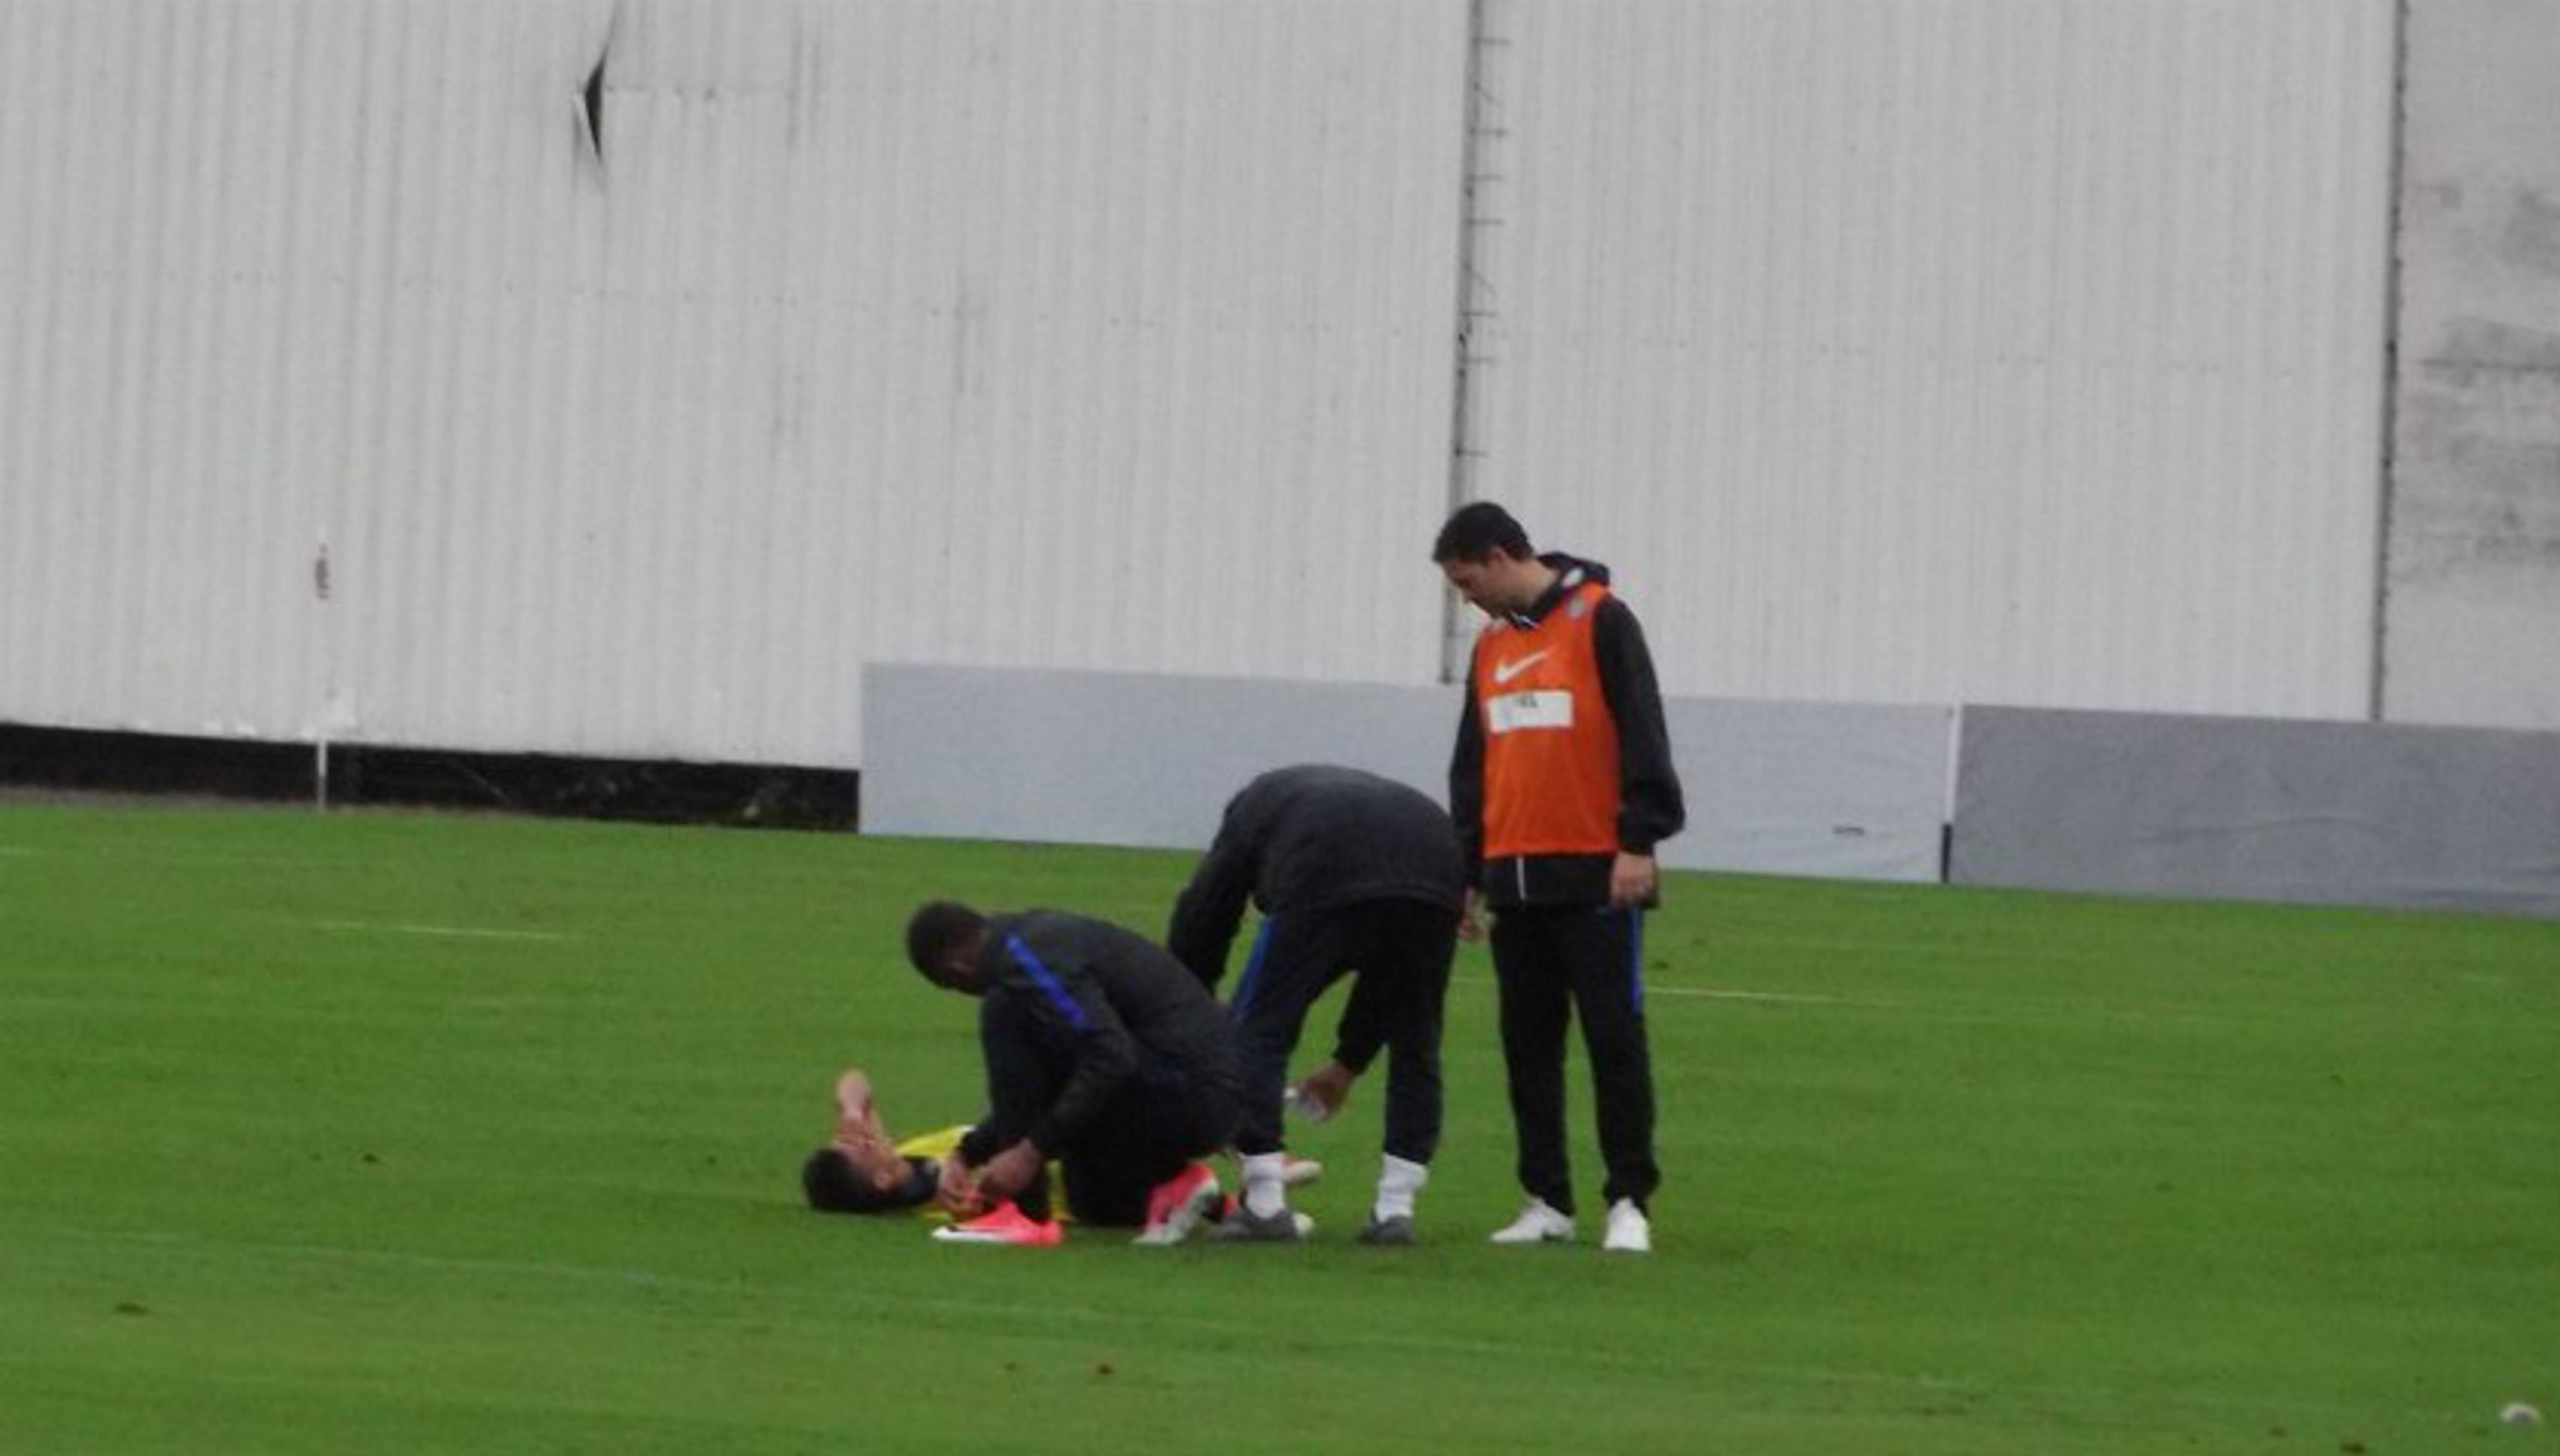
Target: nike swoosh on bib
1504,672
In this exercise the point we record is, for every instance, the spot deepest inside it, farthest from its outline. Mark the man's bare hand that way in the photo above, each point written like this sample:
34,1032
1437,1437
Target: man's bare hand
1633,880
1011,1171
1471,916
957,1190
1326,1089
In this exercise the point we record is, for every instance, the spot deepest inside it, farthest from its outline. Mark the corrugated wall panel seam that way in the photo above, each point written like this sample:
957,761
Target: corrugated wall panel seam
18,528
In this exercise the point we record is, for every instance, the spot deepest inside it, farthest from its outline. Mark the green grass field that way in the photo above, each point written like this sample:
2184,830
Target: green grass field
408,1134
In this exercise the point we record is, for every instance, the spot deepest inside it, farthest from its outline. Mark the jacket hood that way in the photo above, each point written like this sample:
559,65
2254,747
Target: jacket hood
1570,571
1569,564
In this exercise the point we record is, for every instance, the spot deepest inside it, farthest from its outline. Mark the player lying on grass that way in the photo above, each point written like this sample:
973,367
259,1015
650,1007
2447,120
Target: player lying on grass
1102,1052
867,1169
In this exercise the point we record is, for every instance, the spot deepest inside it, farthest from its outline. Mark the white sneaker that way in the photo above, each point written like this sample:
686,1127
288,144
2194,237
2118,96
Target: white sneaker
1627,1233
1537,1223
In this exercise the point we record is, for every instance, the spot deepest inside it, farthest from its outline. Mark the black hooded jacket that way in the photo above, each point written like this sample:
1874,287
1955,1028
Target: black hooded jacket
1074,1012
1309,837
1650,806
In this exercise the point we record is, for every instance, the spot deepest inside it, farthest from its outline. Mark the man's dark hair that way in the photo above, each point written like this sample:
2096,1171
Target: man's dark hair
832,1185
1477,531
935,929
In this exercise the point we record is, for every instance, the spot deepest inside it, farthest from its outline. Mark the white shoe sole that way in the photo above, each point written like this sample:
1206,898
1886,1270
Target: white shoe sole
949,1235
1234,1231
1510,1237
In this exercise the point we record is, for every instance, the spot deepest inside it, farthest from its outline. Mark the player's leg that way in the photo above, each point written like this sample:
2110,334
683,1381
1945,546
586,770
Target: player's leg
1150,1136
1535,1009
1416,948
1606,949
1407,968
1294,958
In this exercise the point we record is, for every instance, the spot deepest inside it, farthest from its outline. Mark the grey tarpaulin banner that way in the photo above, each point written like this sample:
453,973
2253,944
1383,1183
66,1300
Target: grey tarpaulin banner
2331,813
1129,758
1117,759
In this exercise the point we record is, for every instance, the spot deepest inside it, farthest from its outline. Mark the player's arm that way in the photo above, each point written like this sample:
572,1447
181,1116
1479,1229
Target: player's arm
1361,1033
999,1158
1467,786
1017,1080
1358,1038
857,1114
1467,808
1106,1057
862,1137
1211,905
1651,808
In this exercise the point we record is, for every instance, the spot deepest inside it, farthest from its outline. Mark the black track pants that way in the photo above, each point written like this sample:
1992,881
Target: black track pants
1143,1136
1401,950
1551,963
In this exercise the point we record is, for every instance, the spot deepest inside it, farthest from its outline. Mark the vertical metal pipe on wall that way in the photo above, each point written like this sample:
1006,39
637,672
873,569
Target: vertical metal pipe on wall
1474,303
2387,464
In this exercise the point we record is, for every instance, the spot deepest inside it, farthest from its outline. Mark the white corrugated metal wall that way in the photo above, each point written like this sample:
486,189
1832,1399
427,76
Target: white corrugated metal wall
1105,334
2026,351
1995,349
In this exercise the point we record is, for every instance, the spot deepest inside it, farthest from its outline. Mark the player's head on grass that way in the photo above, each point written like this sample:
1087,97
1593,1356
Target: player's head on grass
841,1179
944,941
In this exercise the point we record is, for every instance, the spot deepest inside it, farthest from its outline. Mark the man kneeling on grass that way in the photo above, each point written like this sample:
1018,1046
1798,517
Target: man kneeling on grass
1103,1052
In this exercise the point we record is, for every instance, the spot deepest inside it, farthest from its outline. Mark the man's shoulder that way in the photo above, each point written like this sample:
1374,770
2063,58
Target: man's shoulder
1058,942
1037,927
1613,619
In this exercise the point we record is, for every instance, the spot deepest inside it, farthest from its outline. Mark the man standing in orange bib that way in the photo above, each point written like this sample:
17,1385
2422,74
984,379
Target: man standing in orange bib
1561,784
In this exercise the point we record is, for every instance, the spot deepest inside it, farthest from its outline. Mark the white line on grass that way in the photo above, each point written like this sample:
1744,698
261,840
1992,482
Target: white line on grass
1718,993
1803,998
2005,1012
457,932
1909,949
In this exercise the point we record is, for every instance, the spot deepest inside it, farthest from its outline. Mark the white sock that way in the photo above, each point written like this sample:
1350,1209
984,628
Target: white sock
1265,1197
1397,1181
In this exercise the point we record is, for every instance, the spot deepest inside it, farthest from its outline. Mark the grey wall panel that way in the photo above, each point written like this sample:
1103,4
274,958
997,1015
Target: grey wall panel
1851,791
1856,792
2473,616
1118,758
2319,813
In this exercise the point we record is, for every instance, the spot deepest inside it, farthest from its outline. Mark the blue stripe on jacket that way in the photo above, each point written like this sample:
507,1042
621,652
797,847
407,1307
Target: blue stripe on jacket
1047,979
1251,981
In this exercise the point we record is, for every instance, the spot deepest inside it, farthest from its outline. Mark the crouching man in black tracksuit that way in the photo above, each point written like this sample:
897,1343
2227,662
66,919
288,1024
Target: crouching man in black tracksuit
1353,873
1103,1052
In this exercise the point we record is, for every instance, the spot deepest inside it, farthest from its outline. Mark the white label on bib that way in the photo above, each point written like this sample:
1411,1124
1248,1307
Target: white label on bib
1550,707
